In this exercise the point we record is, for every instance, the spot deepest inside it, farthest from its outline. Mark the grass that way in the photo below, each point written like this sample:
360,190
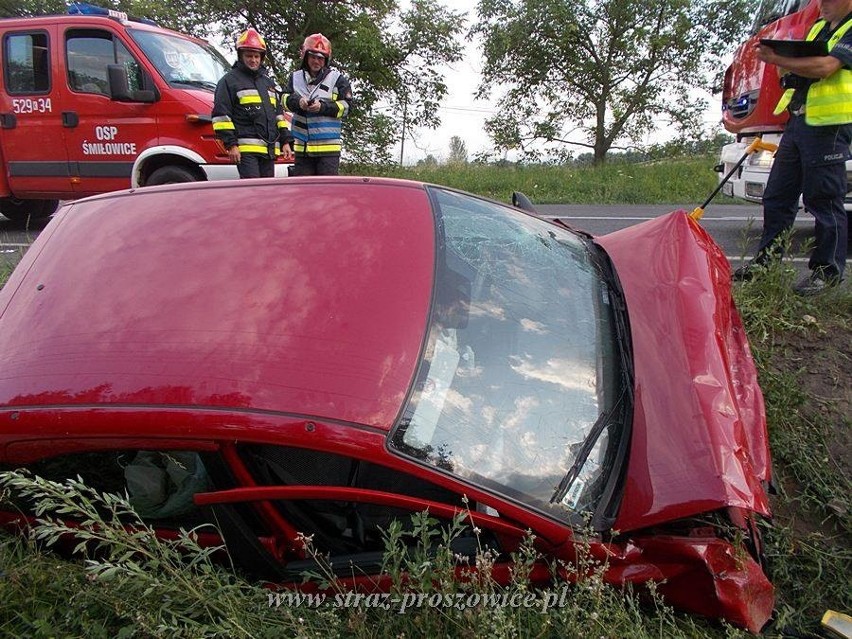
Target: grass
798,344
127,584
679,181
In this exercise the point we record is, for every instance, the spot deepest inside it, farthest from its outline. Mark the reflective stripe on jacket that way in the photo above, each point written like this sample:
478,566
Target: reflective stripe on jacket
247,113
318,134
829,100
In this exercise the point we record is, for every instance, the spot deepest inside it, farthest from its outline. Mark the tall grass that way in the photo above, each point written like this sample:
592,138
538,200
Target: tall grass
679,181
808,548
129,583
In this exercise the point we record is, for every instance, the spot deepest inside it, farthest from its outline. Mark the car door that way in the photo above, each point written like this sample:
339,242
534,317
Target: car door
104,136
31,114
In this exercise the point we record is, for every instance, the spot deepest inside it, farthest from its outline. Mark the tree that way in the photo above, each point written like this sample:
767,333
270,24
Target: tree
392,57
458,151
429,162
608,71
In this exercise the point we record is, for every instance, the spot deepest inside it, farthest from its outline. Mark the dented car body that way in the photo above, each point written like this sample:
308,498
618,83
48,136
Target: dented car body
326,355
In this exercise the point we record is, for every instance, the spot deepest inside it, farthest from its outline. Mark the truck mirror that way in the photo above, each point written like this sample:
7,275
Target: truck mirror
119,88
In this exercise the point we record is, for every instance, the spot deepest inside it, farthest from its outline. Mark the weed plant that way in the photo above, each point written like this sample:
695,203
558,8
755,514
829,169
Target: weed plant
130,583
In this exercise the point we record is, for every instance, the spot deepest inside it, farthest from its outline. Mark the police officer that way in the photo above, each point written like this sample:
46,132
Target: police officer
319,98
247,116
812,154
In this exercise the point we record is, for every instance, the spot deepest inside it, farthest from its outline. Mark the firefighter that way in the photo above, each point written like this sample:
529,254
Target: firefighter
319,97
247,115
812,154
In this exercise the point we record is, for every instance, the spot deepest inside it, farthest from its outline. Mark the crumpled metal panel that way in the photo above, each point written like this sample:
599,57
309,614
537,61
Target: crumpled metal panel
699,438
707,576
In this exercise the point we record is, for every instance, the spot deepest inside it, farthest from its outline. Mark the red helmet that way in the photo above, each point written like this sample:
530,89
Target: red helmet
251,39
316,43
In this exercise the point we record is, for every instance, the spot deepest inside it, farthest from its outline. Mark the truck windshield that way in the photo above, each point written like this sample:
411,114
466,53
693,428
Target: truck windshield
182,62
771,10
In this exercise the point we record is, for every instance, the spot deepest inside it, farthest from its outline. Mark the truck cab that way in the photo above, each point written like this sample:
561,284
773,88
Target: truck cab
750,92
95,101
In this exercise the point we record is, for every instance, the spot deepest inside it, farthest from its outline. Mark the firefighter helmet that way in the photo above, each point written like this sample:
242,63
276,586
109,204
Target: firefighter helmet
317,44
251,39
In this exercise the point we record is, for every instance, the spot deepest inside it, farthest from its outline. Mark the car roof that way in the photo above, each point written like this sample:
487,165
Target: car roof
305,297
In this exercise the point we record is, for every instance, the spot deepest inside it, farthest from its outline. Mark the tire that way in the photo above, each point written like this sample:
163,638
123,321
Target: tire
171,175
23,210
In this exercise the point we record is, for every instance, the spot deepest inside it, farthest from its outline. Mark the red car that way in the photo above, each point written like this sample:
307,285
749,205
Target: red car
325,355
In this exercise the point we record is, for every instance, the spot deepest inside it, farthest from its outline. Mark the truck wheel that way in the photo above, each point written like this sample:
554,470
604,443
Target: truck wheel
21,210
171,175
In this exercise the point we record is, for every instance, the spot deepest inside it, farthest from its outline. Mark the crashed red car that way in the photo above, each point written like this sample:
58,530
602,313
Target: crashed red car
325,355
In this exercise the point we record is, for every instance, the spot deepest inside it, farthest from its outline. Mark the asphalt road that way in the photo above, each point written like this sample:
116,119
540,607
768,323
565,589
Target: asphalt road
735,228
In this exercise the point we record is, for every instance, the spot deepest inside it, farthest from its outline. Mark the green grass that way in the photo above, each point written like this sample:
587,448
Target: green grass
679,181
801,350
129,583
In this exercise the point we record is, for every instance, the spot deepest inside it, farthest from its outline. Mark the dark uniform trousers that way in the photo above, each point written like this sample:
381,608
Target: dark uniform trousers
811,161
253,165
316,165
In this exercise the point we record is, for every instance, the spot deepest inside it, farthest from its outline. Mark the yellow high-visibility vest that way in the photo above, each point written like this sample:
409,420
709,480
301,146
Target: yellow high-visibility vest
829,100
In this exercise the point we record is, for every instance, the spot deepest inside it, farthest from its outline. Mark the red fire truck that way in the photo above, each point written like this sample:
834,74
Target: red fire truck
94,101
751,91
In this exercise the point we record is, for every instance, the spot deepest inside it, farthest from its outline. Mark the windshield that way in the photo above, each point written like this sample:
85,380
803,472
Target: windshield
182,62
772,10
520,386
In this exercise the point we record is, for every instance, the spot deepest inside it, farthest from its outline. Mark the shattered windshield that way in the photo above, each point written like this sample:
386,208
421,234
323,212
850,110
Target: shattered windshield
521,375
183,63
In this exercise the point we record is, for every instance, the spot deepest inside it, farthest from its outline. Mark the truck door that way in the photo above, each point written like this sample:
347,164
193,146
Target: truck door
31,115
106,135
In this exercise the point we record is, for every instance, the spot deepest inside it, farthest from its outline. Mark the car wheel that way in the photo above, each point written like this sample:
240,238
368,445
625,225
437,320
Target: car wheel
171,175
21,210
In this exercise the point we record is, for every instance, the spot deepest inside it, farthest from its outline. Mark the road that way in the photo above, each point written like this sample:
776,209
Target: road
734,227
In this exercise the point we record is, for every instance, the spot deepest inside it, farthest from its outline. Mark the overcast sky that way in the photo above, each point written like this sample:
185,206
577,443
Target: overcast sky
463,114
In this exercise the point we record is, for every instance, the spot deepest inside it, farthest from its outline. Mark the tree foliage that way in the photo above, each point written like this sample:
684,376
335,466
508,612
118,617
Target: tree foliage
458,151
599,73
392,56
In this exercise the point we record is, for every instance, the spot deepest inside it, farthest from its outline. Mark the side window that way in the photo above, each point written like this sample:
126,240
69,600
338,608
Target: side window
160,484
26,65
338,527
88,52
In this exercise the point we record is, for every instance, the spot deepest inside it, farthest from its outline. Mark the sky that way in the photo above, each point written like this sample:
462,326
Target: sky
463,114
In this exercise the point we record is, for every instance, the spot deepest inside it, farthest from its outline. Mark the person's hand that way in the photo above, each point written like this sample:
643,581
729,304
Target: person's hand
766,54
287,152
234,154
314,106
303,103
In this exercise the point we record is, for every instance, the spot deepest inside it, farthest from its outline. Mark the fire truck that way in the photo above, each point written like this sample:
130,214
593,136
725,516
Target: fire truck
749,95
95,101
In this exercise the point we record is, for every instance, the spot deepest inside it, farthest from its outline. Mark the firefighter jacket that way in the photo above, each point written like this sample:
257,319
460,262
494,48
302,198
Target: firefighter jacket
318,134
828,101
247,113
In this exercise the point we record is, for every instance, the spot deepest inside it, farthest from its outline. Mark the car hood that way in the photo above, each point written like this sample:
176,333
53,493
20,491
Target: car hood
699,439
292,296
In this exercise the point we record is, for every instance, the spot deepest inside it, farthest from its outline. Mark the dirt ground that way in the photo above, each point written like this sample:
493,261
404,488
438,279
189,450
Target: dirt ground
822,364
